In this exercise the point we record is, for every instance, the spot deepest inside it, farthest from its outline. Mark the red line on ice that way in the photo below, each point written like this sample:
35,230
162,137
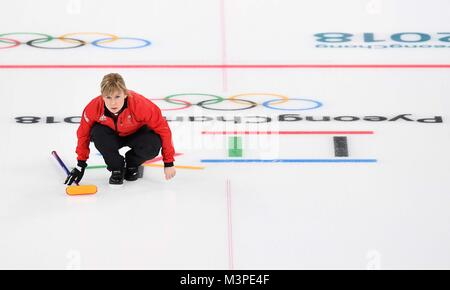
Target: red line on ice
225,66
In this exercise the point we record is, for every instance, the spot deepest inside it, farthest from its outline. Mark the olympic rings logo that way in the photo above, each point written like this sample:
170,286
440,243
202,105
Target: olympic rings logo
243,104
68,41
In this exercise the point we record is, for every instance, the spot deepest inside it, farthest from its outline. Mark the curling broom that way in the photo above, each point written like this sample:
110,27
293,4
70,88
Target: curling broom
75,189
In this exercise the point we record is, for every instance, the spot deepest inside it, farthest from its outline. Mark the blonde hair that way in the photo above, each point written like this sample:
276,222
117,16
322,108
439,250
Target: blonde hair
111,83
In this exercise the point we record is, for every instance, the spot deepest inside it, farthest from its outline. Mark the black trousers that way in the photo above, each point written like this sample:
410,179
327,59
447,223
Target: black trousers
145,144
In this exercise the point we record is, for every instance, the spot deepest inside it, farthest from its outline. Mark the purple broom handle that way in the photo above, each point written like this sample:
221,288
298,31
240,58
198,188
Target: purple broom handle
61,163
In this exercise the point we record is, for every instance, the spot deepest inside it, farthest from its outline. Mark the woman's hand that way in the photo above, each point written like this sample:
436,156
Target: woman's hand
170,172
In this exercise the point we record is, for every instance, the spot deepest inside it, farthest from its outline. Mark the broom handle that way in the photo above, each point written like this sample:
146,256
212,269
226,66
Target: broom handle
61,163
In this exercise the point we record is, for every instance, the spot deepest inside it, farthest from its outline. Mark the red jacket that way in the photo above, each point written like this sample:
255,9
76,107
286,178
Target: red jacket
139,111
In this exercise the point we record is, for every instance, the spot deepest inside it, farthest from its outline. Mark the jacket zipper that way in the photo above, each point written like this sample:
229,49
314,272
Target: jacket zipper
115,122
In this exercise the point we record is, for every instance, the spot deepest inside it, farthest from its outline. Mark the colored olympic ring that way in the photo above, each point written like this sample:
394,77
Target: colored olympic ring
43,38
48,37
111,37
252,105
317,105
15,42
146,43
187,105
217,99
31,43
284,99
